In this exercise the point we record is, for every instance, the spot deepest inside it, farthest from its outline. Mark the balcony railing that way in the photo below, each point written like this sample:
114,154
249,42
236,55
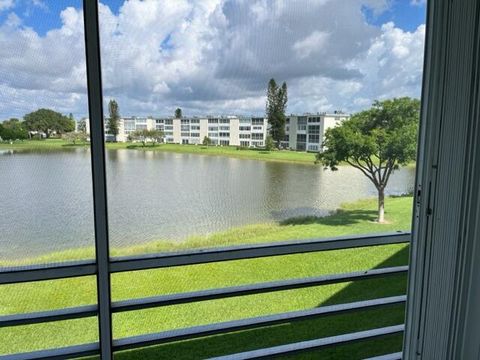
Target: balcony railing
202,256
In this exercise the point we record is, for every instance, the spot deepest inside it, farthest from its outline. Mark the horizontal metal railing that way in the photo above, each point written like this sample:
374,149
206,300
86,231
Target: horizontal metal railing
310,345
201,256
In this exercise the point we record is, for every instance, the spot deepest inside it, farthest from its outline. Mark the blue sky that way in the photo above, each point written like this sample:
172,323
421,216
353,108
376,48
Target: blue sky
211,58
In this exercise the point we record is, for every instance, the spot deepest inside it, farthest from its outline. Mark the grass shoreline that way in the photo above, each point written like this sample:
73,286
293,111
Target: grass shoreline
349,219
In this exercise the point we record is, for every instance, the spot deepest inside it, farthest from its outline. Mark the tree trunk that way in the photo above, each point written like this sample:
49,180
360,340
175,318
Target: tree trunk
381,205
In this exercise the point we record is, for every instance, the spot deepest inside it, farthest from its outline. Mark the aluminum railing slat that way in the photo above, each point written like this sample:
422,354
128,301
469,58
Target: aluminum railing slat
314,344
50,315
182,298
394,356
229,326
67,269
69,352
202,256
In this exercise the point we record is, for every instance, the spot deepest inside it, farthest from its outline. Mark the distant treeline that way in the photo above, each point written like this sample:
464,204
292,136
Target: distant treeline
43,122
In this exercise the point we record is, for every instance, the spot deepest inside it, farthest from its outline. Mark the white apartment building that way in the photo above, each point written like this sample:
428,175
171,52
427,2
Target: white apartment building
306,132
303,132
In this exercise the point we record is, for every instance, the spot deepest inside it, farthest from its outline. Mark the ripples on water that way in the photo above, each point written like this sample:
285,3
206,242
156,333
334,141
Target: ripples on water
46,197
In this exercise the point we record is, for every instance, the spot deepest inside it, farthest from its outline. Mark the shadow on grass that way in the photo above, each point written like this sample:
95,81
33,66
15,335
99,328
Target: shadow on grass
340,217
307,329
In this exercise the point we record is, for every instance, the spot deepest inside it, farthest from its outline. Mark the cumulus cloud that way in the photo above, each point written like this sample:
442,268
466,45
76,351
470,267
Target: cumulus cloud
213,56
6,4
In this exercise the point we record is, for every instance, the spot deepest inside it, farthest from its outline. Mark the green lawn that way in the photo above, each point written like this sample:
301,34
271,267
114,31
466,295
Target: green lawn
354,218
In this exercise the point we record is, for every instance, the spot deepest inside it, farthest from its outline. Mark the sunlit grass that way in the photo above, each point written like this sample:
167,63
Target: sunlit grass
354,218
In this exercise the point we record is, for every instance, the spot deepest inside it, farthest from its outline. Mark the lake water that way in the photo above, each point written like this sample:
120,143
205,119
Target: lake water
46,197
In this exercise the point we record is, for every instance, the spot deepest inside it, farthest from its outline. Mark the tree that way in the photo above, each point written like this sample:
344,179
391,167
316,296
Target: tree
113,119
156,136
178,113
376,141
48,121
13,129
82,125
75,137
145,136
207,141
276,106
269,144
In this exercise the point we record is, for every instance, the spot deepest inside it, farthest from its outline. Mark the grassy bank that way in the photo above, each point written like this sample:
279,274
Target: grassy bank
351,219
230,151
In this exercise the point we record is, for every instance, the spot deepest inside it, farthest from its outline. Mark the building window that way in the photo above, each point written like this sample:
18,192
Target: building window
224,134
244,136
302,123
245,143
213,121
185,134
195,135
168,121
314,129
185,127
224,142
257,121
244,128
213,128
224,128
301,138
312,147
257,136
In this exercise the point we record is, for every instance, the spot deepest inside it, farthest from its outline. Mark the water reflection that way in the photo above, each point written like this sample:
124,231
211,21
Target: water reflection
47,204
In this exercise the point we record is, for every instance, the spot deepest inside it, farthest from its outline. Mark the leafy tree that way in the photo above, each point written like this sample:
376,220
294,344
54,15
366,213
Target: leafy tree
48,121
276,106
82,125
145,136
13,129
113,119
269,144
376,141
75,137
207,141
178,113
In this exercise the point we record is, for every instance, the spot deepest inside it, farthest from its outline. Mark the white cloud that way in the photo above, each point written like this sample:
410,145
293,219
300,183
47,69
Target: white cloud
313,43
6,4
213,56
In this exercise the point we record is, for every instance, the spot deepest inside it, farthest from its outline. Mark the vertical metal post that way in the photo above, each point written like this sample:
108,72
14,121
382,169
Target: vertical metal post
95,108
